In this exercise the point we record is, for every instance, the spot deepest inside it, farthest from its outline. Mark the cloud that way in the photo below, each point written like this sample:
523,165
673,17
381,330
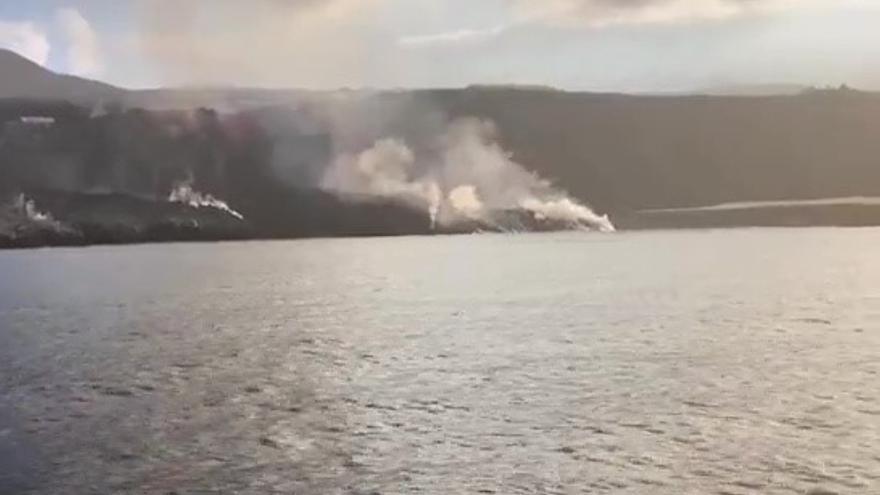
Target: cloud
601,13
84,56
451,37
310,43
26,39
412,43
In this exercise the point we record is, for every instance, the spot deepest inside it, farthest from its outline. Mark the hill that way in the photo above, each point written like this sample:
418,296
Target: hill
267,152
622,152
22,78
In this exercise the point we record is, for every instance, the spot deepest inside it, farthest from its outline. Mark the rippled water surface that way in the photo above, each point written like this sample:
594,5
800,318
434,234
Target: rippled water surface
717,362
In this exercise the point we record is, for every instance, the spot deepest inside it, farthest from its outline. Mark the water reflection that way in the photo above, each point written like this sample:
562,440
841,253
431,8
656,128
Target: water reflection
730,362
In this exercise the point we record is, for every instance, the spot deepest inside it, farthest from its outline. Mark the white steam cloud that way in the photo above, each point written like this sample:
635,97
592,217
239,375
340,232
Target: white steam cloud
27,208
25,38
384,170
466,175
465,201
184,193
84,56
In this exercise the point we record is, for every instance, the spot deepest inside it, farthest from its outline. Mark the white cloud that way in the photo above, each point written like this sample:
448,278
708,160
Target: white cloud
601,13
26,39
451,37
306,43
406,43
84,56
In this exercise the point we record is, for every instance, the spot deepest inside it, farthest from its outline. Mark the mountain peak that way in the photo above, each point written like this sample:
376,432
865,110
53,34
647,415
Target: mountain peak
24,78
11,60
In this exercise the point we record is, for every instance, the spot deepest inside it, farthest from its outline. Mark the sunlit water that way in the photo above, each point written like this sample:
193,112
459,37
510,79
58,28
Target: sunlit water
717,362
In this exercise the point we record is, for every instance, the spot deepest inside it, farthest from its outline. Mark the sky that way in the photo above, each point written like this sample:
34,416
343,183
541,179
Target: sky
597,45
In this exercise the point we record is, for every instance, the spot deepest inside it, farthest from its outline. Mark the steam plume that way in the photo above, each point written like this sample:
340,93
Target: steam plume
463,175
566,210
384,170
27,208
184,193
466,201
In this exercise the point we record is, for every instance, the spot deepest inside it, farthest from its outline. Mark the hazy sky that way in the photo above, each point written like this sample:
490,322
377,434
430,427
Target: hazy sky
619,45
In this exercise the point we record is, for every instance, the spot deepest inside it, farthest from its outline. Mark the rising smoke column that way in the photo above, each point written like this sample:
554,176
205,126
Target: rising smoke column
385,170
464,174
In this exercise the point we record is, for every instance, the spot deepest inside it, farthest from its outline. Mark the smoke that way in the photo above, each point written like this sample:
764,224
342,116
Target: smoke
84,57
184,193
26,38
465,201
566,210
27,208
461,174
384,170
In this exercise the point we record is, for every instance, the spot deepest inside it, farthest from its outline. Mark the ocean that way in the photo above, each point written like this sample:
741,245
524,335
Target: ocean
657,362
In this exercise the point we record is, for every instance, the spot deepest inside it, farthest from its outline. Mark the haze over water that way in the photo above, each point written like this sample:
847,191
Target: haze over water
732,362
